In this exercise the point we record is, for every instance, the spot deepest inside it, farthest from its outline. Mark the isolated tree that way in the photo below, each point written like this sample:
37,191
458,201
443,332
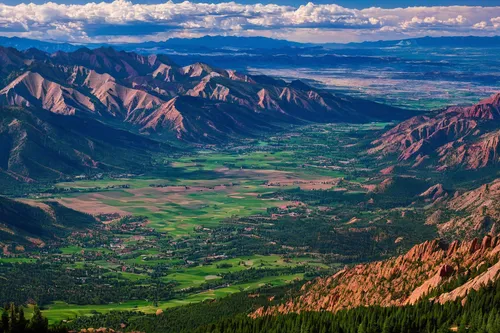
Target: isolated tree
38,323
462,328
5,321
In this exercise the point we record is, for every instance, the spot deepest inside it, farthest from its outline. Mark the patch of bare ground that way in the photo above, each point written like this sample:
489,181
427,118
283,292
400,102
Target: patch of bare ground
38,204
306,184
90,206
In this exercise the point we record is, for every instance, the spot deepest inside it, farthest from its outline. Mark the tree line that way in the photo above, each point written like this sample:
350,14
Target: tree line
14,321
479,314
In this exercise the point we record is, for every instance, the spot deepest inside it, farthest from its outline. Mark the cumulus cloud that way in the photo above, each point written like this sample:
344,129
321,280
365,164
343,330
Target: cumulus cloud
480,25
121,20
495,22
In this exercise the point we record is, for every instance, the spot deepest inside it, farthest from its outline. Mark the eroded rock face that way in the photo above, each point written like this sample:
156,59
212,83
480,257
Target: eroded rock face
149,94
479,211
458,137
435,193
398,281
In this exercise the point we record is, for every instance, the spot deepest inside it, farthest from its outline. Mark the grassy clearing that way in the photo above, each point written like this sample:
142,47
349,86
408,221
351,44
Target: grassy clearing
69,250
178,210
59,311
17,260
195,276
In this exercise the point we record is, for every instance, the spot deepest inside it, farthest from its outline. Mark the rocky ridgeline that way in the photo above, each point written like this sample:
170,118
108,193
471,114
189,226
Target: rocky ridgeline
152,95
402,280
479,211
467,137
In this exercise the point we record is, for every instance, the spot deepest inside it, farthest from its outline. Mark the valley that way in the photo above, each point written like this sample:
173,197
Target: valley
176,231
136,190
232,225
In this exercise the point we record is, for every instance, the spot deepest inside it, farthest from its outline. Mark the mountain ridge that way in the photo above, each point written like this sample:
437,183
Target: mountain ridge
235,43
40,146
427,271
35,224
108,84
466,137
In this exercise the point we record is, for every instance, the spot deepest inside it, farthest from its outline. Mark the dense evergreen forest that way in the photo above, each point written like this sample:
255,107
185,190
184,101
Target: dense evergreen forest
14,321
479,314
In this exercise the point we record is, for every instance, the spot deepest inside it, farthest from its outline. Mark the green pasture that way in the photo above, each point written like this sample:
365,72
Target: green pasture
59,311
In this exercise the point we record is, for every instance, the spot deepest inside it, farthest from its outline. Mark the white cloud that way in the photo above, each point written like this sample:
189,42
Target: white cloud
496,22
480,25
310,22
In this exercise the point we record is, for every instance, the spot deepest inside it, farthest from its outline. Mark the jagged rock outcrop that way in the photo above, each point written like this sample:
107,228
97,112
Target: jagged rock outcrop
465,137
188,119
435,193
402,280
478,211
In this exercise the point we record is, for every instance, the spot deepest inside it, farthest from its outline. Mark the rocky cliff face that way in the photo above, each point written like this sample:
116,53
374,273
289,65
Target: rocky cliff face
465,137
151,95
431,267
463,214
478,210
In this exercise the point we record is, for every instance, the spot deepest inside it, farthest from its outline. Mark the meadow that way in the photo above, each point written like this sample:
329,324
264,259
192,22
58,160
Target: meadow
183,237
61,311
239,175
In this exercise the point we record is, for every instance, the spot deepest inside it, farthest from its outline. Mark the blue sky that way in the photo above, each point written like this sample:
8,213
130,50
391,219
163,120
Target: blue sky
322,21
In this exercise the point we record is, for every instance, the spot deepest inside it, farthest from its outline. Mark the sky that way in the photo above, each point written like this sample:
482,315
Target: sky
358,4
322,21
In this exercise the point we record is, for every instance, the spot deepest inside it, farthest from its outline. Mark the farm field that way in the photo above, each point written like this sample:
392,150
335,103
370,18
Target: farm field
177,209
177,206
61,311
187,237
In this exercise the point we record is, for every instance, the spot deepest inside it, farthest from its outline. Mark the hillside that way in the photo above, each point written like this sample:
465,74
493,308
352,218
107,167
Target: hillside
39,145
35,224
460,137
438,270
151,94
445,272
475,211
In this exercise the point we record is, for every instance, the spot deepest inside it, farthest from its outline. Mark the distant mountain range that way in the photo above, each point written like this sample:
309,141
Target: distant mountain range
26,43
232,44
180,44
452,42
102,109
215,42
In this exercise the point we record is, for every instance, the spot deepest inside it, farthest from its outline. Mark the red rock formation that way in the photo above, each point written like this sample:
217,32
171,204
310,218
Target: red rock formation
388,170
435,192
460,136
401,280
482,211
